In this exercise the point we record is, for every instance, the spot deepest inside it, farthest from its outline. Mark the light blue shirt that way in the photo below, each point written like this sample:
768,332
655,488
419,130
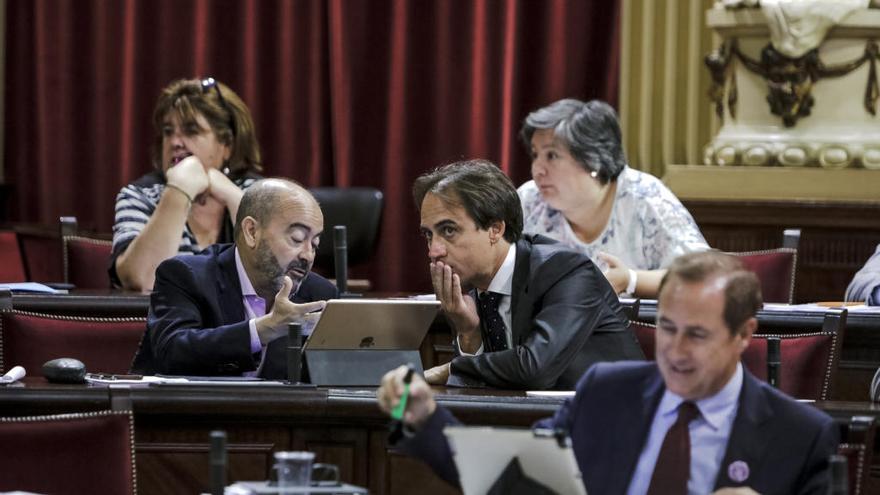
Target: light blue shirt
709,434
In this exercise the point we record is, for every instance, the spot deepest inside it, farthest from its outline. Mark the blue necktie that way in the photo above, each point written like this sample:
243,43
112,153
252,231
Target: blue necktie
496,331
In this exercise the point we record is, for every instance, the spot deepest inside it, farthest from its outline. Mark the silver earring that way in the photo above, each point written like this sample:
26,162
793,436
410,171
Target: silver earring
594,174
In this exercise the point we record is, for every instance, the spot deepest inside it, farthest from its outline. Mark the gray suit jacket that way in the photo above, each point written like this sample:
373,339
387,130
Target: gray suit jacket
564,317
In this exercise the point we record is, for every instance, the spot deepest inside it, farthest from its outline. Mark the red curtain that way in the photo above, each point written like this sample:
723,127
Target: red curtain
343,93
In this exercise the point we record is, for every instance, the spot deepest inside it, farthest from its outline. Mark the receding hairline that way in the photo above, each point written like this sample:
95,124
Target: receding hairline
265,196
276,186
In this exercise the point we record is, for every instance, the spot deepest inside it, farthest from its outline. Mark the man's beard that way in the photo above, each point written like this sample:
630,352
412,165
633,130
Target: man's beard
272,273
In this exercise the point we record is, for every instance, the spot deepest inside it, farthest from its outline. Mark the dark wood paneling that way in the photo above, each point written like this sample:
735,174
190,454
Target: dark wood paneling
345,447
172,453
182,468
408,476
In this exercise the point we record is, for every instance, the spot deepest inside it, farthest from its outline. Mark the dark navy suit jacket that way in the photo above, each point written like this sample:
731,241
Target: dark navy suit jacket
564,317
784,444
197,323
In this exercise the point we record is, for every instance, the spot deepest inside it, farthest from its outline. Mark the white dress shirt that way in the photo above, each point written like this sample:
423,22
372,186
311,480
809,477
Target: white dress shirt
502,283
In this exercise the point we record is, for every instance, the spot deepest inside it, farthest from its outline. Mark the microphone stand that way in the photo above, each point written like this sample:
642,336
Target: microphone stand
340,260
773,361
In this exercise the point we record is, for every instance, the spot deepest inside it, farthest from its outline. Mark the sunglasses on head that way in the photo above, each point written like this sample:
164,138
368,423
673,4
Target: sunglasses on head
207,84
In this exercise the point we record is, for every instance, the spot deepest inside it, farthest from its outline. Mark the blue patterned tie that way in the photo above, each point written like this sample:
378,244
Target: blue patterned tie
495,329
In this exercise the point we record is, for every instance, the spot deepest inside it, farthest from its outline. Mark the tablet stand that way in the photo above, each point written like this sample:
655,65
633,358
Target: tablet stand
360,367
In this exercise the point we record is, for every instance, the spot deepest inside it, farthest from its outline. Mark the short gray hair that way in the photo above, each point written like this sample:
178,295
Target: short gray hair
590,130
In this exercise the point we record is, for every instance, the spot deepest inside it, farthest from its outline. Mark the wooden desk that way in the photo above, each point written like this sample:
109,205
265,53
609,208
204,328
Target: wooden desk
84,302
342,426
860,357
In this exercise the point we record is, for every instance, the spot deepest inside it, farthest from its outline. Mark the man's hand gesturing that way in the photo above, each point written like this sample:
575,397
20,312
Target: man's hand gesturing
273,324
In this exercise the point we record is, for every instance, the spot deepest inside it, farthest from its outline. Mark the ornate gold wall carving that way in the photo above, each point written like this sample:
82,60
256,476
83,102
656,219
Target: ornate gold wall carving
668,118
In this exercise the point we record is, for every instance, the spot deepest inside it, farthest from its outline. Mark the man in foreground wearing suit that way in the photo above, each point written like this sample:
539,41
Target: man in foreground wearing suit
225,310
545,313
626,419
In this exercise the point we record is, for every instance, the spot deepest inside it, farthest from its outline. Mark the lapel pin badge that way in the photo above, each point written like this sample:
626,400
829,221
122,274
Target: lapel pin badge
738,471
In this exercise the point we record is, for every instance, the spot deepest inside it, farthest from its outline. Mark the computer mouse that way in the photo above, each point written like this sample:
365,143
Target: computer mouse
65,370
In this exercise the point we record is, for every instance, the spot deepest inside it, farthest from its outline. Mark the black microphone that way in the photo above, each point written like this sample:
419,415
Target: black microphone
839,473
773,361
340,258
218,462
294,352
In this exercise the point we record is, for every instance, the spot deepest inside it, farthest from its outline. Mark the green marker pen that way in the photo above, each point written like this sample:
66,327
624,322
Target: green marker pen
397,412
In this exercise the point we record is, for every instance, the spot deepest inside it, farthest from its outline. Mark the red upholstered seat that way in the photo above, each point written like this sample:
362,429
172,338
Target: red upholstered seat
645,333
808,362
86,261
103,344
776,271
11,262
68,453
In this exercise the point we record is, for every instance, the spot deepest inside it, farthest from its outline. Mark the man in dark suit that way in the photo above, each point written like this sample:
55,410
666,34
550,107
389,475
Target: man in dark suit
545,313
225,311
693,422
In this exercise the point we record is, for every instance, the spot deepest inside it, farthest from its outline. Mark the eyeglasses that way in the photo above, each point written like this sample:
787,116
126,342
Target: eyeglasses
207,84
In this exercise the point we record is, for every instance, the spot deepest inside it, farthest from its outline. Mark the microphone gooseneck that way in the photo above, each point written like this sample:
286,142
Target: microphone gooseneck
773,361
340,257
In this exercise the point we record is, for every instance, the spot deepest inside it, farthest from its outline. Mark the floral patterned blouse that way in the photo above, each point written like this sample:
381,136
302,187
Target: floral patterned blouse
647,229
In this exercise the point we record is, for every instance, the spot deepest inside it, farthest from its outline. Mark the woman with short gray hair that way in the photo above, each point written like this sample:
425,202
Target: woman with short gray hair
584,195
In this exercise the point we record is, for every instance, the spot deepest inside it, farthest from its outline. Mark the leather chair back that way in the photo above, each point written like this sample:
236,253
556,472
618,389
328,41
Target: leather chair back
41,249
68,453
360,210
11,262
104,344
809,356
808,363
645,334
86,261
776,271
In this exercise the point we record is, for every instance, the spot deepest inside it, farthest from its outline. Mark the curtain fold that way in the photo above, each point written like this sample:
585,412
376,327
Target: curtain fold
343,93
